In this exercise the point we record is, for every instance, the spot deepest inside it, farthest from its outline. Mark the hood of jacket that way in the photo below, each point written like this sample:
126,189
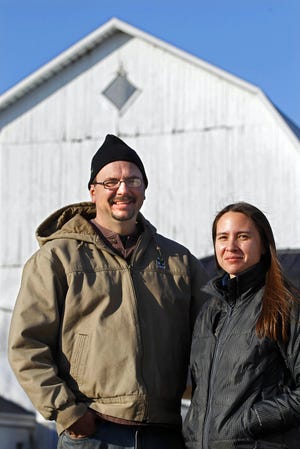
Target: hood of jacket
72,222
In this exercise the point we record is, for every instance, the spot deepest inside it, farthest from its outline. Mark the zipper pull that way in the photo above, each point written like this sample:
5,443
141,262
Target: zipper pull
160,262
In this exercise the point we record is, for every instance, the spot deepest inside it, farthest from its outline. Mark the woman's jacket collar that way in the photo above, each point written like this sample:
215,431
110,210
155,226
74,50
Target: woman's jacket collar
241,285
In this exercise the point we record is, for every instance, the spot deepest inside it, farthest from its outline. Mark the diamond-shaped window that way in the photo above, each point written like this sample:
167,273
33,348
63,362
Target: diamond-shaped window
120,90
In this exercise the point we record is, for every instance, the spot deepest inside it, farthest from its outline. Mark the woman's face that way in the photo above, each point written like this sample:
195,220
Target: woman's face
238,245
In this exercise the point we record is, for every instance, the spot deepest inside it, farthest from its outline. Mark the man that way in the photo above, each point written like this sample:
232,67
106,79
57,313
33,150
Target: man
100,334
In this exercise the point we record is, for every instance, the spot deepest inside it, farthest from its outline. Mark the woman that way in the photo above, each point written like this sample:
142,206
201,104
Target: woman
245,356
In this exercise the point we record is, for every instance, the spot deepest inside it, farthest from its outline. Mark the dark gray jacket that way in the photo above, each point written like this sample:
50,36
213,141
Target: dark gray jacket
246,390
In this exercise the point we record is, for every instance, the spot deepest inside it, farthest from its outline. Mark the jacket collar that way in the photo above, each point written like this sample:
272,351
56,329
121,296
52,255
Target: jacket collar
244,284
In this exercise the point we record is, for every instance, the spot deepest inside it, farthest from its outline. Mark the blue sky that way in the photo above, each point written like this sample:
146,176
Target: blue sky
256,40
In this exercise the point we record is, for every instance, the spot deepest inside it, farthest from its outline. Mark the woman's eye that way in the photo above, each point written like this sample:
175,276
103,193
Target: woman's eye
221,238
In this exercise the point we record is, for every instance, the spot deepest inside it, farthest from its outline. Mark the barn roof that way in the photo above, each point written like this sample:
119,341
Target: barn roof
290,123
97,37
10,407
87,44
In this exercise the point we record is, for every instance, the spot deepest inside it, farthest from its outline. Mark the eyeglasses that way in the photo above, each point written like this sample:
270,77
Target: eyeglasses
114,184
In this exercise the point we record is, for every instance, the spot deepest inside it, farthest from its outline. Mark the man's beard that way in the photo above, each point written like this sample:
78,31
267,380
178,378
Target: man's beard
127,217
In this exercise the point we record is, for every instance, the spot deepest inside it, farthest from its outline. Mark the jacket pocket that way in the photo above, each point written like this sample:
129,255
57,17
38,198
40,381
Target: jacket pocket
79,357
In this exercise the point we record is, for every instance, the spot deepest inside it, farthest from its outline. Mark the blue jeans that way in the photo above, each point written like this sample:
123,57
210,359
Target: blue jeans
116,436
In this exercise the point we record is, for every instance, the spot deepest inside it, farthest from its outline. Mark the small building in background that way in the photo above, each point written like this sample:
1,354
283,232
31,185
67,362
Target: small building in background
17,426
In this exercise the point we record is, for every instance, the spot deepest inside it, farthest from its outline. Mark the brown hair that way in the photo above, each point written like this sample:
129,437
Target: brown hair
273,321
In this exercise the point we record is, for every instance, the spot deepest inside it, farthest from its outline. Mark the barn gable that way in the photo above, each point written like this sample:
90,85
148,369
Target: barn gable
95,45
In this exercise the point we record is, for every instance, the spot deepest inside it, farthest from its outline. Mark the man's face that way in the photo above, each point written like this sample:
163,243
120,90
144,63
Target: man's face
117,209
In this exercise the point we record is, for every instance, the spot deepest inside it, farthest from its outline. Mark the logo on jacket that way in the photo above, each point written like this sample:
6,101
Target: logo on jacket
160,263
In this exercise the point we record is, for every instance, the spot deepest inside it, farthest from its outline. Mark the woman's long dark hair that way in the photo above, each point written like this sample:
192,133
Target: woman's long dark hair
273,321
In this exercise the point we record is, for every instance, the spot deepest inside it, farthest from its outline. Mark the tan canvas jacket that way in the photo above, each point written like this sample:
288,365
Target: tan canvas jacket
90,330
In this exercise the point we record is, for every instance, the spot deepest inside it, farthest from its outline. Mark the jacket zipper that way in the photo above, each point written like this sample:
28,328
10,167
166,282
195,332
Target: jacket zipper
129,267
139,334
217,350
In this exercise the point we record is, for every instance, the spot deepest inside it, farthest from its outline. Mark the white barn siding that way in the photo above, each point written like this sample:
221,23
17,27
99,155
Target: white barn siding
206,138
197,116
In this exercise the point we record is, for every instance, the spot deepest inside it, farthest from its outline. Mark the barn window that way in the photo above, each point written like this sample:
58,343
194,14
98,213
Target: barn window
120,90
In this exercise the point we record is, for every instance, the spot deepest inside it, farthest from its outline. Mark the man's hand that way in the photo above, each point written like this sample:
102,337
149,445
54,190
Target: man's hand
84,426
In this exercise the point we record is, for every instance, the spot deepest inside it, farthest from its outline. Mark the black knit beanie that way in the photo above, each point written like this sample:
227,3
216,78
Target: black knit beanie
114,149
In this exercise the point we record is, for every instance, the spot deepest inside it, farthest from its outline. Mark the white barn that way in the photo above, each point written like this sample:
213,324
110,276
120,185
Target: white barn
206,137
